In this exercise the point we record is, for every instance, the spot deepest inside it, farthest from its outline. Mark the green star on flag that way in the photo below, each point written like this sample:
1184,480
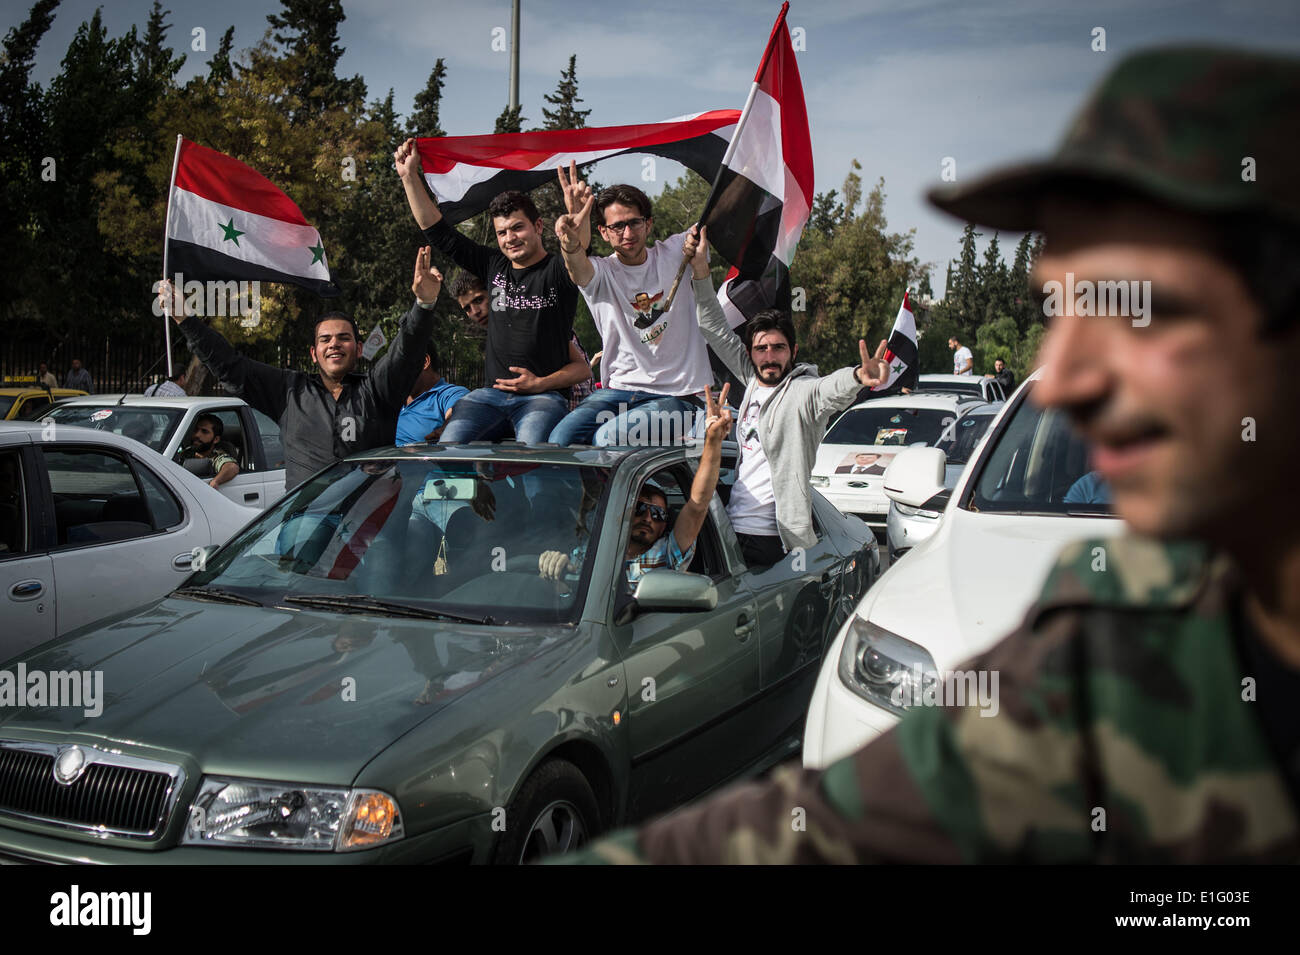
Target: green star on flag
232,233
317,252
897,367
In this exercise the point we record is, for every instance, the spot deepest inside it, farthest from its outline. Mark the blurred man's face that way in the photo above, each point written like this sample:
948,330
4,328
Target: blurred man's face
1166,407
203,437
336,349
952,344
76,364
772,356
998,365
475,304
520,240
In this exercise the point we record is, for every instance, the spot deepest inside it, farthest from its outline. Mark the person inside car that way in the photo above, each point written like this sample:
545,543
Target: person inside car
650,545
206,444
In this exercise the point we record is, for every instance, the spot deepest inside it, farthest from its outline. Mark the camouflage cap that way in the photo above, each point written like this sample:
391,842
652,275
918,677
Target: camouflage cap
1175,124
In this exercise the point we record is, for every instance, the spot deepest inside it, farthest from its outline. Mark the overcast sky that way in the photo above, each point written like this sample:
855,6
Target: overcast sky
897,84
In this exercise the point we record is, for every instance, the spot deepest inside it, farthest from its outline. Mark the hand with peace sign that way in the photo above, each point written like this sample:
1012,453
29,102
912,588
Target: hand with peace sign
717,422
571,227
874,370
577,195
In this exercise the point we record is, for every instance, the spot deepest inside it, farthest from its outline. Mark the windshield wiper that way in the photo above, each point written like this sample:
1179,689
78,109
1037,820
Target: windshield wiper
360,603
216,595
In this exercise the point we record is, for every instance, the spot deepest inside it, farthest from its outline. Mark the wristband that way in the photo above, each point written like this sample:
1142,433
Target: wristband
428,305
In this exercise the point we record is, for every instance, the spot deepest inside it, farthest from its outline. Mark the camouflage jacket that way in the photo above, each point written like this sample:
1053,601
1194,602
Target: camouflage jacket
1127,732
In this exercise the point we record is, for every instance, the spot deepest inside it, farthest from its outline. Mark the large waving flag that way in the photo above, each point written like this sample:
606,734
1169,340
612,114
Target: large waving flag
464,173
763,193
900,352
227,221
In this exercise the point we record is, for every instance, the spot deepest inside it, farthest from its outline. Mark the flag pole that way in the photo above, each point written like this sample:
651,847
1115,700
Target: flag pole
167,222
731,146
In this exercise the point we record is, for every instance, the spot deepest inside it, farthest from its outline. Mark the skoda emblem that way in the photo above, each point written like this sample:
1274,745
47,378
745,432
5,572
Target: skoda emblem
69,765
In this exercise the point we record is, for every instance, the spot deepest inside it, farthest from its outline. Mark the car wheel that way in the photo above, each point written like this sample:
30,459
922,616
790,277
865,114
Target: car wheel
555,811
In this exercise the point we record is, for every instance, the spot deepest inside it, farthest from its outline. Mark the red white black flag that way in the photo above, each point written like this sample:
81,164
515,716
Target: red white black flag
764,190
900,352
464,173
228,221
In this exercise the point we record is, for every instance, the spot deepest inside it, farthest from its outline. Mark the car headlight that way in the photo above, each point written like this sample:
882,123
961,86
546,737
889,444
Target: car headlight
906,511
819,480
883,668
261,814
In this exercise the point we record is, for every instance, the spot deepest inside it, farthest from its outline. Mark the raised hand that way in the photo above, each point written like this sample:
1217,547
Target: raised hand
571,227
167,290
407,160
575,191
874,370
696,250
717,422
427,281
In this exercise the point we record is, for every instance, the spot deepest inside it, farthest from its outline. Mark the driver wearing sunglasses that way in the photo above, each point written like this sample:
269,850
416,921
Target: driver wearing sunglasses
650,546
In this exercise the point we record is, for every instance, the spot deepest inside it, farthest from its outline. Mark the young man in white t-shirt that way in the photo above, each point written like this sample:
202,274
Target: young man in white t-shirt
963,363
655,365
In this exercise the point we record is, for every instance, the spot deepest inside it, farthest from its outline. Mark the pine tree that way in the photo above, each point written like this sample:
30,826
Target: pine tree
220,69
155,67
993,299
1018,285
510,120
964,290
566,115
425,120
308,30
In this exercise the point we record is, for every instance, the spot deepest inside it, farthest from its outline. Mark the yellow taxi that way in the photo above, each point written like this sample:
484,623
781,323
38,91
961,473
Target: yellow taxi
25,400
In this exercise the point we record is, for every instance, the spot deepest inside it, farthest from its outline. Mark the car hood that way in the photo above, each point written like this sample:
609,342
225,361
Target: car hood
269,693
968,586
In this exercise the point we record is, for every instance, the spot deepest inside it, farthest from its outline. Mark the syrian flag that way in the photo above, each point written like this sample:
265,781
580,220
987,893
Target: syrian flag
900,352
465,173
226,221
764,191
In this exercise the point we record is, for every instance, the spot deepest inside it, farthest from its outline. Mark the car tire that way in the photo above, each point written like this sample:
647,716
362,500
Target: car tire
555,811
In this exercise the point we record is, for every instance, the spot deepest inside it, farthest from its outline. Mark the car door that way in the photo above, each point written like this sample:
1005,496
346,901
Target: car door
248,487
122,536
27,609
267,447
689,678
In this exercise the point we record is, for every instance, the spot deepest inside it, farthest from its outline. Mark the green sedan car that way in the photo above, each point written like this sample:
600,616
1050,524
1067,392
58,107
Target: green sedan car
389,666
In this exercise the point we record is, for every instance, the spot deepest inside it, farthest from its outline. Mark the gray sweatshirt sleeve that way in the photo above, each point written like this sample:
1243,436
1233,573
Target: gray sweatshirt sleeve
833,393
713,326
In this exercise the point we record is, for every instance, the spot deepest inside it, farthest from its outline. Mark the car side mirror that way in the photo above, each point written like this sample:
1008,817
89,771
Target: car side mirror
670,591
915,476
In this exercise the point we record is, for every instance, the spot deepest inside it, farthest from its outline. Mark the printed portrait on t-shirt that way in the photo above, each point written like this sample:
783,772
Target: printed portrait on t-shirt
747,432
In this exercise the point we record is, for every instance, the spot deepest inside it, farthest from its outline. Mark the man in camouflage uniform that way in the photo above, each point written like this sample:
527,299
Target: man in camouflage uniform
1150,701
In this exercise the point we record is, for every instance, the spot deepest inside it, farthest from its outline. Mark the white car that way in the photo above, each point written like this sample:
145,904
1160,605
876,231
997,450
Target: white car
851,461
908,526
93,524
166,424
1026,494
972,386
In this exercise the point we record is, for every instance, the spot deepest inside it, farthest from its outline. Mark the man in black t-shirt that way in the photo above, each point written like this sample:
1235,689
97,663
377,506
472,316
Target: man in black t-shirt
532,304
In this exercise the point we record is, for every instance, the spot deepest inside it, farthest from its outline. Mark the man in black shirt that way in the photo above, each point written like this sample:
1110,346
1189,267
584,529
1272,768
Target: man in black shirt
325,417
531,322
1003,376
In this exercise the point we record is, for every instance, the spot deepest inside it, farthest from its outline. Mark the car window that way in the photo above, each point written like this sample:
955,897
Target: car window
232,433
6,402
676,484
96,498
962,437
163,506
32,406
1038,465
889,426
13,506
452,535
151,426
272,445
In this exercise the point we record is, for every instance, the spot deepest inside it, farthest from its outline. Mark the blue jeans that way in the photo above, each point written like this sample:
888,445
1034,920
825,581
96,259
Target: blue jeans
485,413
611,417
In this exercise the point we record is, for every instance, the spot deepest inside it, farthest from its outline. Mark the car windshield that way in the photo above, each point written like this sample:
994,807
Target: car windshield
889,426
1038,465
963,435
460,537
6,402
951,387
148,425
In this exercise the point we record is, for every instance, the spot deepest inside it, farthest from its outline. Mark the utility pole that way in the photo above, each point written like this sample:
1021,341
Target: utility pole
514,54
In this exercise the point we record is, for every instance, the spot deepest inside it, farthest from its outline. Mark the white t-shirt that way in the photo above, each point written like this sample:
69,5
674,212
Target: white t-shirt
646,348
959,358
752,507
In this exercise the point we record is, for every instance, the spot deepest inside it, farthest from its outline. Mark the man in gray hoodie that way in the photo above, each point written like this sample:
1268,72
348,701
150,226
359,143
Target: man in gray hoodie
783,416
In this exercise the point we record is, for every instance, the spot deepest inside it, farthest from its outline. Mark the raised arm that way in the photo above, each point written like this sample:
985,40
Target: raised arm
713,321
262,386
569,229
394,374
716,427
425,210
836,391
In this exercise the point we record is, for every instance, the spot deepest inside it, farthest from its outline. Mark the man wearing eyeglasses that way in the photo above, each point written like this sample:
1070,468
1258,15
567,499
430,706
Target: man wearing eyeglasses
655,364
650,546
